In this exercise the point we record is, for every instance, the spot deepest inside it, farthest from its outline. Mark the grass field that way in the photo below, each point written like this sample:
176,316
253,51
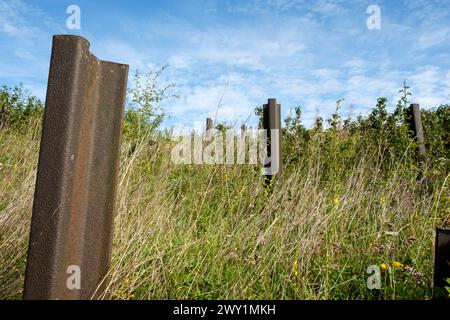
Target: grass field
215,232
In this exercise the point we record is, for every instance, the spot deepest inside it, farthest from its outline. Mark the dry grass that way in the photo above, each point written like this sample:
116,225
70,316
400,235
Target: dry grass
214,232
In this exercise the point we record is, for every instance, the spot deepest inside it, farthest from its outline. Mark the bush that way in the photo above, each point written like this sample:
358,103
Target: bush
143,113
384,136
19,109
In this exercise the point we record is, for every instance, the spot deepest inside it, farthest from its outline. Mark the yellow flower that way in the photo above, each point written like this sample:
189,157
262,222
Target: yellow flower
383,266
397,265
127,281
336,201
295,268
382,200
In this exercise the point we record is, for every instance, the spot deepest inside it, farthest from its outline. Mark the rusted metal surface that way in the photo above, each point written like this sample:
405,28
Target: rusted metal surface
243,130
3,114
209,123
416,127
72,219
442,259
272,123
209,133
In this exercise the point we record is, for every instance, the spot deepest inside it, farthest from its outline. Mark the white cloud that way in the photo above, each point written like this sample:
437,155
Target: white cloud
25,43
114,49
434,37
430,85
17,20
307,53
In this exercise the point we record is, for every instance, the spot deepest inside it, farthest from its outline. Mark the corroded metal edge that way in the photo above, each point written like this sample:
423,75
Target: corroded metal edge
77,172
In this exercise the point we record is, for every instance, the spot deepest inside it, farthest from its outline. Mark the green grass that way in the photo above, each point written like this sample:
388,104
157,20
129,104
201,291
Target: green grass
215,232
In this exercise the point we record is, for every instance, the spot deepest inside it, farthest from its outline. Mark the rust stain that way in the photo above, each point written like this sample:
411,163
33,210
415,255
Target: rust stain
77,173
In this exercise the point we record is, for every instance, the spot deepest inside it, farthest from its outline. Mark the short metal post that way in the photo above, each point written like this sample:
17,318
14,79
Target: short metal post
272,125
442,260
209,123
208,133
416,127
243,130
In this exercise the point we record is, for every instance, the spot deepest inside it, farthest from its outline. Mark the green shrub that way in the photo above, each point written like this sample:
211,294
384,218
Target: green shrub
19,109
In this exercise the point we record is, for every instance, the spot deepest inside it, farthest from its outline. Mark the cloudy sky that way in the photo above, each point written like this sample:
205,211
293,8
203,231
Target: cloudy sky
227,57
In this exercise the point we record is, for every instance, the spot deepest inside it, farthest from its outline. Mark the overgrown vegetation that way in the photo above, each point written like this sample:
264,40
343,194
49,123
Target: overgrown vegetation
144,115
19,109
349,199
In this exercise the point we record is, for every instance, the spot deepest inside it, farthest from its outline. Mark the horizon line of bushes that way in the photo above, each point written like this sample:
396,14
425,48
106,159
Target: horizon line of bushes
341,138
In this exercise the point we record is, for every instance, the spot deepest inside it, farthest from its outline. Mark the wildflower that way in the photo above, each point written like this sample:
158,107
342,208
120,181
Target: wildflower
416,275
382,200
250,261
261,240
295,268
397,265
384,266
410,240
127,281
336,201
232,256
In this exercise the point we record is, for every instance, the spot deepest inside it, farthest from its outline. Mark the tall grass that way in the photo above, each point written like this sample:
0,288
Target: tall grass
215,232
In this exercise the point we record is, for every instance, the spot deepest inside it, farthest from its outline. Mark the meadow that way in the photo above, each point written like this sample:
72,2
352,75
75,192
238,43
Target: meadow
350,198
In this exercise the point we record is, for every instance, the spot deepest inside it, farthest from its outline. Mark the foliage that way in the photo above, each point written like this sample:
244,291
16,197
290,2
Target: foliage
349,199
143,114
19,109
384,136
447,288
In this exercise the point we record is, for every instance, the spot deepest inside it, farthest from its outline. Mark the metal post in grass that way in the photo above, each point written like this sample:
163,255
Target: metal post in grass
3,114
209,127
72,223
272,124
243,130
442,261
209,123
417,128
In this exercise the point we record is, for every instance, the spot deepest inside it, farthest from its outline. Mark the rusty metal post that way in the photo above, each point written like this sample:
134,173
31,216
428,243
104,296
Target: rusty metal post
209,124
416,127
72,223
3,114
272,123
209,127
243,130
242,146
442,260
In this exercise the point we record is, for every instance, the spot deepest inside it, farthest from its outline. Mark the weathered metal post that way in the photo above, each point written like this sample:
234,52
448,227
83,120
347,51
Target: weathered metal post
72,223
272,125
416,127
209,123
3,114
209,127
442,260
243,130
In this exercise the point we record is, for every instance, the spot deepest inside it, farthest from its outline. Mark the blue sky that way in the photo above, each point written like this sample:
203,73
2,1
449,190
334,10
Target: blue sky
230,56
